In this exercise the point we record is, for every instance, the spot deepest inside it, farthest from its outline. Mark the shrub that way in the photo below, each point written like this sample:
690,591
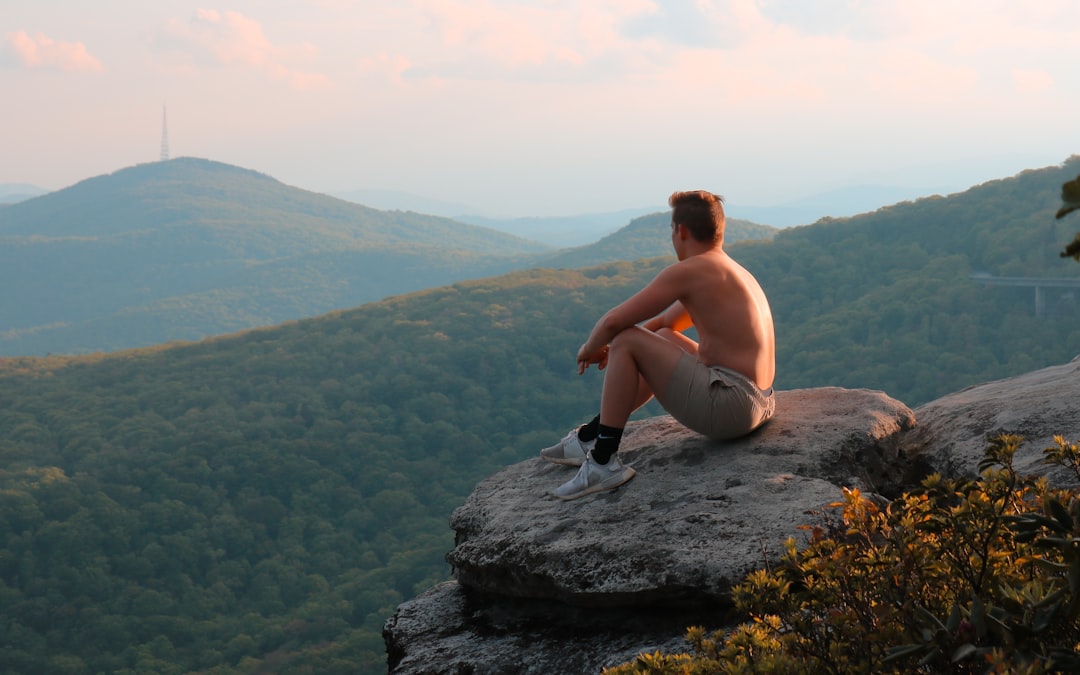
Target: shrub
959,576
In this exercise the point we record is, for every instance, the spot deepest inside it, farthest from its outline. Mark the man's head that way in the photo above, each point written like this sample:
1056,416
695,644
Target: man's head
702,213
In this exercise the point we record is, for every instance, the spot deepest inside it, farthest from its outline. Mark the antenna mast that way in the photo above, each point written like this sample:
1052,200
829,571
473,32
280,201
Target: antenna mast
164,134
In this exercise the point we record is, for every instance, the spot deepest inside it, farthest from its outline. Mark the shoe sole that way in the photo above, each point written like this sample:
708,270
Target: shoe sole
565,461
607,486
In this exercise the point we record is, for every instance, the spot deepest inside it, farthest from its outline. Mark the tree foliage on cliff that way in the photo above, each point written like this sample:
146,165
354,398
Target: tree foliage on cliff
1070,201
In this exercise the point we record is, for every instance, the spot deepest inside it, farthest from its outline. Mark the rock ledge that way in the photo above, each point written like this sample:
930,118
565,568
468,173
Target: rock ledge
635,566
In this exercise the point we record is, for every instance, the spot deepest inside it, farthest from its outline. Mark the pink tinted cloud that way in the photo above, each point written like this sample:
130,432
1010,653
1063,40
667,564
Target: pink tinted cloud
41,51
385,66
514,36
1031,81
520,35
232,39
921,63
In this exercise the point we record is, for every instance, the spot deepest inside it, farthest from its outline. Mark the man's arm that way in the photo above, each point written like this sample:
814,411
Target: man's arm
656,300
674,317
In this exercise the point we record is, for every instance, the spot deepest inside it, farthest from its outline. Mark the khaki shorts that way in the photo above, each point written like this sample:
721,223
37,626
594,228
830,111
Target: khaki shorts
716,402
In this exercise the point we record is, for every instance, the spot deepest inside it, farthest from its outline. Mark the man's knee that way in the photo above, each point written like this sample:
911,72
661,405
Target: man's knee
628,338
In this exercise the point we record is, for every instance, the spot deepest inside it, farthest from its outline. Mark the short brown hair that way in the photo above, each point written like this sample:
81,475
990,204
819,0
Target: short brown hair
701,212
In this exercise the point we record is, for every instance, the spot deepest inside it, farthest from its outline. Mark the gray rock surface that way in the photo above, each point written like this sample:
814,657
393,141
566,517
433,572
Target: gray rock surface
449,629
953,431
542,582
697,517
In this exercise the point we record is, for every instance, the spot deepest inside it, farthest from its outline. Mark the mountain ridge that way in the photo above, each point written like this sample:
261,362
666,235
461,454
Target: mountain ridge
108,200
11,193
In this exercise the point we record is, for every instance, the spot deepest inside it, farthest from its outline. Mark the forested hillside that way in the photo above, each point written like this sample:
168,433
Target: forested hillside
265,501
887,300
262,502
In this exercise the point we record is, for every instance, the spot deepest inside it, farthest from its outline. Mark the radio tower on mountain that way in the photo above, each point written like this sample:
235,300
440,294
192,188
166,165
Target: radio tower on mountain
164,134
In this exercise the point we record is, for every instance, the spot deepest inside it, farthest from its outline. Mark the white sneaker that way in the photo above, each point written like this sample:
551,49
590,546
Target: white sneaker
569,451
593,477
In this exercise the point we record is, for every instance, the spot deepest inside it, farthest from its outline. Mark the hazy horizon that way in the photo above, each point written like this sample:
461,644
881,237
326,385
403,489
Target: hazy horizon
547,108
581,228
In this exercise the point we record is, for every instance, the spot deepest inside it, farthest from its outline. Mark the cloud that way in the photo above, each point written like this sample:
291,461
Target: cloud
385,66
515,36
230,39
41,51
1031,81
878,57
688,23
875,61
855,19
485,39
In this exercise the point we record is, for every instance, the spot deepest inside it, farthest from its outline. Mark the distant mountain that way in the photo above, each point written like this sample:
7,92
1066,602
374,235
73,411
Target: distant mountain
561,231
187,248
581,229
397,200
556,231
645,237
255,215
17,192
840,203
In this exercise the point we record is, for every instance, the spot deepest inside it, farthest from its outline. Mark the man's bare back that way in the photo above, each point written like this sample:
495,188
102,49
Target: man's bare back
731,314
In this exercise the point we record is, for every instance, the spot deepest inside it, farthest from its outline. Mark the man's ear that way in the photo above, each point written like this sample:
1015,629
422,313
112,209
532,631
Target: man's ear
683,232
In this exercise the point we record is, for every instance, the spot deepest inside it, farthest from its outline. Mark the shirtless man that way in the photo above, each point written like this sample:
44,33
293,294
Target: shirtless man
720,387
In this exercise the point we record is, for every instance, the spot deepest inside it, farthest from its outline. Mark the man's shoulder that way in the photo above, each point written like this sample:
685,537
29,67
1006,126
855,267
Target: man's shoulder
712,260
693,270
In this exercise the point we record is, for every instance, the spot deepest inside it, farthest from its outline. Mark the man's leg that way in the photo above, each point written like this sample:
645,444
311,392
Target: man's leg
640,363
572,449
644,390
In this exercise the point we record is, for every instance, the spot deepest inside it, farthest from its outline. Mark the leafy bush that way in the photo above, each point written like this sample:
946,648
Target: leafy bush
1070,201
959,576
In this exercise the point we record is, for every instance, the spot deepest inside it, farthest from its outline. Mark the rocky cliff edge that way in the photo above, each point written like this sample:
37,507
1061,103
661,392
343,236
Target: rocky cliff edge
542,585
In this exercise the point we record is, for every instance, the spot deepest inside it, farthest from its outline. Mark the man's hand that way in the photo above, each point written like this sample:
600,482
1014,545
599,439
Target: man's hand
585,359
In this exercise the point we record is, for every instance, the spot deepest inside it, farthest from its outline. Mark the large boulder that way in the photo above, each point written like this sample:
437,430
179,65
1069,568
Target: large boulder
610,575
698,516
954,430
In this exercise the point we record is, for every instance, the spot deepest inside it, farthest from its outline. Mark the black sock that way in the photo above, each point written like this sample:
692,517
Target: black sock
588,431
607,443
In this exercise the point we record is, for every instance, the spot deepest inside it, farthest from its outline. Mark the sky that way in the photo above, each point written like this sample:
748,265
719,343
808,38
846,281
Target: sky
546,107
